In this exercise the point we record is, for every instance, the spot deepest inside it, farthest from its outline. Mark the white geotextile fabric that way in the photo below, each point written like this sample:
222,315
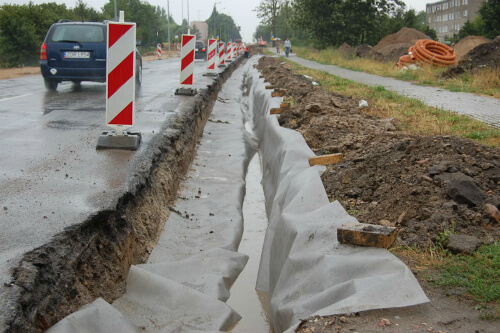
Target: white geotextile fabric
96,317
305,269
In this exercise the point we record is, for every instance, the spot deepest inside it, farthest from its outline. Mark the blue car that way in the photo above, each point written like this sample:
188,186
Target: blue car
76,51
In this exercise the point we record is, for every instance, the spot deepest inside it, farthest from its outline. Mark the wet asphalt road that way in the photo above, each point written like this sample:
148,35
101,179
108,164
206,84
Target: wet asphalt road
51,176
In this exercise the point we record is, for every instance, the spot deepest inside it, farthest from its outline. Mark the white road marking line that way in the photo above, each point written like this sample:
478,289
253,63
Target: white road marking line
8,98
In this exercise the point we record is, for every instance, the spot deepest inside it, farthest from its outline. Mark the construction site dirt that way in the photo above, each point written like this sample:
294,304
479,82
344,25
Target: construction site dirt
424,186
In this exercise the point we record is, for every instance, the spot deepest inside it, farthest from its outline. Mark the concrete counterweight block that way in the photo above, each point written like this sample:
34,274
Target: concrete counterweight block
111,140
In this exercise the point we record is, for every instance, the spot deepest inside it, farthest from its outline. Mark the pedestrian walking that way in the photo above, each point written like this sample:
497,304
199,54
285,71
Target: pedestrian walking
288,46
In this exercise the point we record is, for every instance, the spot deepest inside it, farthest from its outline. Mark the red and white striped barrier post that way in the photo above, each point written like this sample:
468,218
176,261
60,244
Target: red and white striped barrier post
235,50
158,49
212,53
120,86
178,49
187,66
222,53
229,52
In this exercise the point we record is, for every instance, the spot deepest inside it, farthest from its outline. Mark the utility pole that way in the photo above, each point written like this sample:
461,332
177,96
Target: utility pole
168,22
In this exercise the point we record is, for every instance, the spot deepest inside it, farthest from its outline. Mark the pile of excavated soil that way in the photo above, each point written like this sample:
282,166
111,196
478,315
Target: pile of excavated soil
425,186
347,51
366,51
484,55
392,52
393,46
465,45
403,36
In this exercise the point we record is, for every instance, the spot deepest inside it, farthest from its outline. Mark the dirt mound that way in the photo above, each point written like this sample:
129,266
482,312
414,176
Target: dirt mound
426,186
405,35
392,52
467,44
347,51
483,55
366,51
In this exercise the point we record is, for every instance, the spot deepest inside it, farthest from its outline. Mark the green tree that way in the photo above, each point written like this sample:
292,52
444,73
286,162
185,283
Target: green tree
222,25
151,21
490,13
284,28
263,31
23,28
82,12
476,27
337,21
268,11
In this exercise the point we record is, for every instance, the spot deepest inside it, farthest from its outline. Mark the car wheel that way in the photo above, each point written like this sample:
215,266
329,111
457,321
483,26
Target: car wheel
51,84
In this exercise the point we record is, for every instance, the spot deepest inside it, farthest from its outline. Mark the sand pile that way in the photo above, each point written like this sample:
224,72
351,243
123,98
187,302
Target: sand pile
404,36
467,44
395,45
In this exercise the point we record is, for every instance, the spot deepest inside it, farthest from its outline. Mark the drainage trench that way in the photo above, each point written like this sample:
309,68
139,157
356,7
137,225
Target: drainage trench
193,269
215,231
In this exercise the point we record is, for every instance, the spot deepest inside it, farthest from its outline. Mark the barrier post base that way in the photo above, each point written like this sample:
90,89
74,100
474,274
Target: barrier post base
185,91
111,140
222,66
211,74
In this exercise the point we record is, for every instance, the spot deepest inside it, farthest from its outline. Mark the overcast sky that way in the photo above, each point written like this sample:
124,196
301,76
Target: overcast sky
240,10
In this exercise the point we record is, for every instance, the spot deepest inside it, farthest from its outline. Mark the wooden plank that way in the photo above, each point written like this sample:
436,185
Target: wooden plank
261,76
278,92
270,86
326,159
276,110
366,234
285,105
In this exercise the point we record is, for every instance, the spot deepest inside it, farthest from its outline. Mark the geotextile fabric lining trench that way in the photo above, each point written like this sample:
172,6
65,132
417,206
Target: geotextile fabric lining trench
184,285
303,267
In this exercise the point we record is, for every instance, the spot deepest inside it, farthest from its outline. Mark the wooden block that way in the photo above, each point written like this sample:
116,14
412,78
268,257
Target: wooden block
276,110
285,105
326,159
366,234
270,87
278,93
261,76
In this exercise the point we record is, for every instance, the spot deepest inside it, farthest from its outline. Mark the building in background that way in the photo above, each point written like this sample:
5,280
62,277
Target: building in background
448,16
202,28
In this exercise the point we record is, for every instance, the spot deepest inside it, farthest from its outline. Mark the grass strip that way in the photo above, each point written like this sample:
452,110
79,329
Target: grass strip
475,276
485,81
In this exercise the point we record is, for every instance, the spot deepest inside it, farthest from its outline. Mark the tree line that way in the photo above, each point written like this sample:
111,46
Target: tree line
325,23
23,27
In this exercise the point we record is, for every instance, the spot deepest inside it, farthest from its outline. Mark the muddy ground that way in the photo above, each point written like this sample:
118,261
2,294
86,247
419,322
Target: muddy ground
427,187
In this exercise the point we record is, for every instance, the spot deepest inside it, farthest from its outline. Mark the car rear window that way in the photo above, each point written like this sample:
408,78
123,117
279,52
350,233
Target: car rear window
79,33
200,45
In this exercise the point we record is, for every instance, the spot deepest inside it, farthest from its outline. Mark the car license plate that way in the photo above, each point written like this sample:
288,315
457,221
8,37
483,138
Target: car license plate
196,49
76,55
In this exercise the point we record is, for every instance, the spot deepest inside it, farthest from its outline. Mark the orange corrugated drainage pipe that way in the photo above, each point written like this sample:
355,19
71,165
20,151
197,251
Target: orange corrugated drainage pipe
430,52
